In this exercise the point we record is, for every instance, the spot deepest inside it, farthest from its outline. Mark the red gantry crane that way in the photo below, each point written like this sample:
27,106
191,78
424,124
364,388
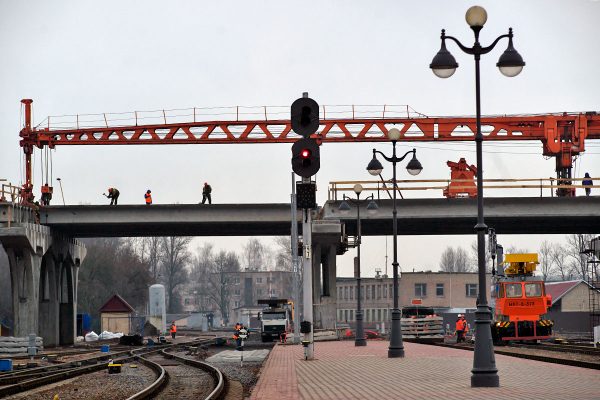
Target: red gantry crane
563,136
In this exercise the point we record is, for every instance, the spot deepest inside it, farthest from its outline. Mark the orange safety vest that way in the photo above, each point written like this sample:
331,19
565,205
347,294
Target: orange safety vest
148,198
173,329
460,325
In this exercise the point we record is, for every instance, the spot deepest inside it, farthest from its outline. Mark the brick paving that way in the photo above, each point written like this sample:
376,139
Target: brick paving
342,371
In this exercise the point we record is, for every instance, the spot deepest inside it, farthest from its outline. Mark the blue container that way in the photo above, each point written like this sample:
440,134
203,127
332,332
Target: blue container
5,365
105,348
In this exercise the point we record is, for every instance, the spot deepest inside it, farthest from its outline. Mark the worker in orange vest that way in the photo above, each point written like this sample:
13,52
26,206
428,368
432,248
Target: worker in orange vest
148,197
173,330
461,328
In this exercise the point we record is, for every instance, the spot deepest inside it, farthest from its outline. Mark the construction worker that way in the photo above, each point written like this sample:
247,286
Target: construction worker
236,335
461,326
283,337
148,197
46,194
173,330
113,195
206,191
587,182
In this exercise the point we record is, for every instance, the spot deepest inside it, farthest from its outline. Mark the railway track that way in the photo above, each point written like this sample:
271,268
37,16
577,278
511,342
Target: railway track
181,379
560,347
23,380
537,357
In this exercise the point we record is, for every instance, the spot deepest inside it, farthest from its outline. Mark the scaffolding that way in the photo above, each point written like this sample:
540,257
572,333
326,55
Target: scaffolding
593,281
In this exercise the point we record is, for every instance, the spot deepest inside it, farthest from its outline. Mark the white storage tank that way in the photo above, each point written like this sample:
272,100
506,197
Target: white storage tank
158,316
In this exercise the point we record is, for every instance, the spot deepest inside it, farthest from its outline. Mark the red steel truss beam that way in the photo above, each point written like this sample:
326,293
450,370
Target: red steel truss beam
552,130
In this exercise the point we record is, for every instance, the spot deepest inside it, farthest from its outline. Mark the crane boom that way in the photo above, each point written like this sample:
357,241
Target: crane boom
562,135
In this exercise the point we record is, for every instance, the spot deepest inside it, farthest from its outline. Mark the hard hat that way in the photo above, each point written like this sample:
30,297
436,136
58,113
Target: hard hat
460,315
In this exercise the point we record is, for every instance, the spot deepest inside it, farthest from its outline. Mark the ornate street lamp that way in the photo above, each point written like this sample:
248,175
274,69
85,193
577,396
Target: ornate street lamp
359,339
443,65
413,167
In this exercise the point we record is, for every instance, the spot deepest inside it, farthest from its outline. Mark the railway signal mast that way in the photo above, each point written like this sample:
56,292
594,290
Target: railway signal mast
306,163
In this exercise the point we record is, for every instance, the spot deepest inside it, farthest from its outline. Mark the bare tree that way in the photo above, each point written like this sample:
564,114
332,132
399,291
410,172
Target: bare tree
546,262
203,263
220,281
448,260
256,255
149,249
174,263
512,249
475,257
455,260
111,266
283,253
461,259
576,244
559,257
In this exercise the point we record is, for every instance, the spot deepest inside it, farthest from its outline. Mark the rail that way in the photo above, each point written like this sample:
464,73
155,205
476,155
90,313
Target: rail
386,187
19,381
163,377
218,391
157,385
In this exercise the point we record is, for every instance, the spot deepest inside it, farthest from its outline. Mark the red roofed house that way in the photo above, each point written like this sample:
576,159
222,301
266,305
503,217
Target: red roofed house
569,296
115,315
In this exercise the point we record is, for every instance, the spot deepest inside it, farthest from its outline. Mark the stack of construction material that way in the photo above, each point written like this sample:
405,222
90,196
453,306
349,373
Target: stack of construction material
12,346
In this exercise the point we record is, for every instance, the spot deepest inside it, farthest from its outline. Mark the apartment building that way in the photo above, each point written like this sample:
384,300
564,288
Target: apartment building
443,291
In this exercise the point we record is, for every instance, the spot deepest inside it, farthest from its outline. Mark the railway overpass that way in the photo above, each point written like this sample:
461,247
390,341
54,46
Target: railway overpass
515,215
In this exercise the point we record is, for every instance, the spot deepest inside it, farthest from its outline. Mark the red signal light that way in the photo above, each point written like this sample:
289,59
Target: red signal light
305,153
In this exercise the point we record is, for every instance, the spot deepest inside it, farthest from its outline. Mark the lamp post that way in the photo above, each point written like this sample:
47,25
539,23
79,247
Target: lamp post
61,190
359,339
413,167
484,372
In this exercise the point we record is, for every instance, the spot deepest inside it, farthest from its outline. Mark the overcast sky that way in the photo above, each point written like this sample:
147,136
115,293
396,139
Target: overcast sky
114,56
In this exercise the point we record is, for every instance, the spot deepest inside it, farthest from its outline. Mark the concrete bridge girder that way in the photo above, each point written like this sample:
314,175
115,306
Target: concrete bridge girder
43,269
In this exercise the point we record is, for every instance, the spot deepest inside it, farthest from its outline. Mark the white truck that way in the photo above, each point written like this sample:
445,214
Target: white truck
275,319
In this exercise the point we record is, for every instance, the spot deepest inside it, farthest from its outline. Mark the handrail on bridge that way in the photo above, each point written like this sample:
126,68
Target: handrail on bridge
386,186
9,193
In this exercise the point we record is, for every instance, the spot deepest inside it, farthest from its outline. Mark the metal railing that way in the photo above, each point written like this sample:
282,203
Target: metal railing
232,113
9,193
384,188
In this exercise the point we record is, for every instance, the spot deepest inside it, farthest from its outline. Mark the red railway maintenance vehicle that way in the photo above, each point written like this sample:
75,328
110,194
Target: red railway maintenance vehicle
521,301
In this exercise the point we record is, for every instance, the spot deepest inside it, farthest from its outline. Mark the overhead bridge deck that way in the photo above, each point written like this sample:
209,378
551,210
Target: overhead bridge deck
516,215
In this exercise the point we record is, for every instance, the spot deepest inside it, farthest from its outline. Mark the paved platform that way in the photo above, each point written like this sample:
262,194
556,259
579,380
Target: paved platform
236,356
342,371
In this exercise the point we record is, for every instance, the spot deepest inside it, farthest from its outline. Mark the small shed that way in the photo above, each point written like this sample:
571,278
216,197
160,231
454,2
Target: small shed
116,315
571,296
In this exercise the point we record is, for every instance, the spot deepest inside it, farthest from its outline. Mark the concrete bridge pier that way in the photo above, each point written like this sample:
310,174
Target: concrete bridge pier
44,270
58,292
326,239
25,246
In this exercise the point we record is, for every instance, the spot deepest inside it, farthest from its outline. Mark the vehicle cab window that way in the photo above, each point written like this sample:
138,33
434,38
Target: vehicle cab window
514,290
533,290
